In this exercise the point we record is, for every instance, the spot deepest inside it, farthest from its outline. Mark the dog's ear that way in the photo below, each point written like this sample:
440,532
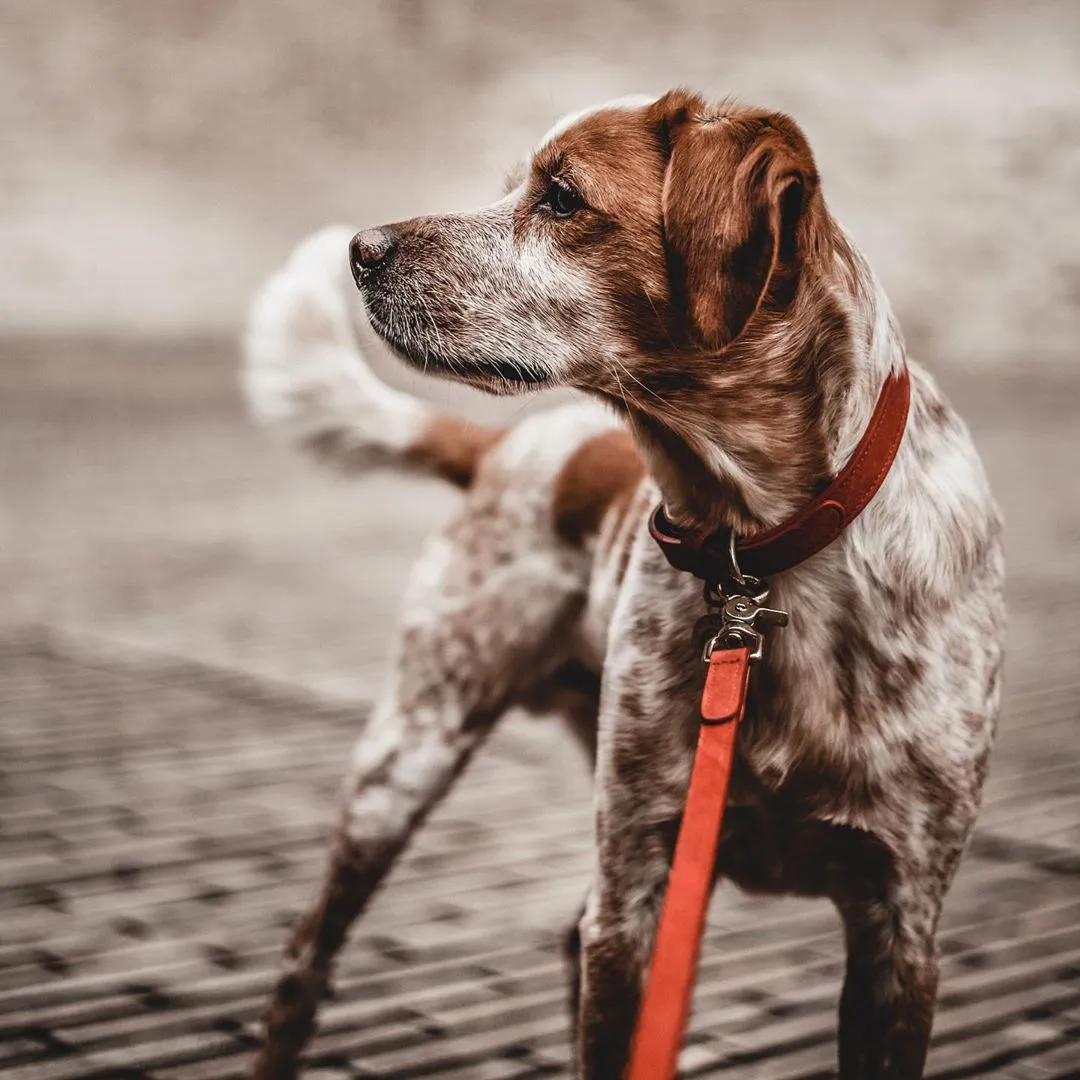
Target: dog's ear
740,209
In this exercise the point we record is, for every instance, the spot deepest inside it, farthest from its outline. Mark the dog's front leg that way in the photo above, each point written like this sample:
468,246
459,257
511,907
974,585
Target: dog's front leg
636,838
648,722
616,936
890,985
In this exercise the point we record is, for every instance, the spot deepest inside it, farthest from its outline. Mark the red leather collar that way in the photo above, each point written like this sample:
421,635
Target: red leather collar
706,555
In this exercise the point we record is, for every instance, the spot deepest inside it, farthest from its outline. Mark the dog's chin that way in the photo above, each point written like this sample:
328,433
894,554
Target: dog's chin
497,376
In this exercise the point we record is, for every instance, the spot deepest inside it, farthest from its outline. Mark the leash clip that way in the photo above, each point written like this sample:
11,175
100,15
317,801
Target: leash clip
743,616
743,622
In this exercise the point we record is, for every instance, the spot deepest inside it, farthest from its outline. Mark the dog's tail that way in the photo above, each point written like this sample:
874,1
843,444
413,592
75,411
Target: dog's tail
305,376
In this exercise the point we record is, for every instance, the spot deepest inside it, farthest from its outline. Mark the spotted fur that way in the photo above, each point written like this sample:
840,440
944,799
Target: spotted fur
701,289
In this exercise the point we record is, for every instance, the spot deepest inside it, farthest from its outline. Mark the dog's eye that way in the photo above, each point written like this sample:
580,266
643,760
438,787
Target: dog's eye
562,199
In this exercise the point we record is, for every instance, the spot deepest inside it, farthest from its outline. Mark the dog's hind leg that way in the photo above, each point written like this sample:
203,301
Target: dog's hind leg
479,624
573,692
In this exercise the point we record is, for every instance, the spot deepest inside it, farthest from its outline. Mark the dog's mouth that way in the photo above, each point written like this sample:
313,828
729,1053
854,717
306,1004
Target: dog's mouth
415,347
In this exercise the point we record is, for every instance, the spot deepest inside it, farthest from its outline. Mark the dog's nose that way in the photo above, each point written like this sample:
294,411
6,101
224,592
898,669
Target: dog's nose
368,249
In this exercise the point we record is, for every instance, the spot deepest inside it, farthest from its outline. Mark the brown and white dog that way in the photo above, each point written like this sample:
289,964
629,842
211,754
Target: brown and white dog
677,263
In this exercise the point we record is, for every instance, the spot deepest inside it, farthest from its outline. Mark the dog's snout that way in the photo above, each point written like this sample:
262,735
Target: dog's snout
369,248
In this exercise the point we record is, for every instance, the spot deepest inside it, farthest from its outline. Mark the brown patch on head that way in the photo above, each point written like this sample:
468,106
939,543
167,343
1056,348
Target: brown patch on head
604,471
705,230
612,160
692,217
452,448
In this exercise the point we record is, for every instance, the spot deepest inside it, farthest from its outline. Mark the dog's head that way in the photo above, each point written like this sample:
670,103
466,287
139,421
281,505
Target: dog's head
663,254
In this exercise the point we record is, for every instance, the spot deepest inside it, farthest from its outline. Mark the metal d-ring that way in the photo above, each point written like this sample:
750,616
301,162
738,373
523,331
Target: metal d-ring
733,561
735,582
747,584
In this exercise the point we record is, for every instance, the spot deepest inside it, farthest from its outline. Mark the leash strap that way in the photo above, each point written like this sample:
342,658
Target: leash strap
665,1006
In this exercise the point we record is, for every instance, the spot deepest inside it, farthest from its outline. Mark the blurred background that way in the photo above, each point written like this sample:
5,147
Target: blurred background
194,621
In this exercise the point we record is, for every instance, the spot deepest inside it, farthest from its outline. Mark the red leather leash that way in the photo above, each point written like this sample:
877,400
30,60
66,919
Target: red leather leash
727,566
666,1004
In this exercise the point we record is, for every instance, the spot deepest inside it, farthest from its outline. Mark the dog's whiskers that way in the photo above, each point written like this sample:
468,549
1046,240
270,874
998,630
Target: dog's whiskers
648,389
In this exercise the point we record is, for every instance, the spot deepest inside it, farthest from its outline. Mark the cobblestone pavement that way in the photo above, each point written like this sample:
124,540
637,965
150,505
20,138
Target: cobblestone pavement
192,628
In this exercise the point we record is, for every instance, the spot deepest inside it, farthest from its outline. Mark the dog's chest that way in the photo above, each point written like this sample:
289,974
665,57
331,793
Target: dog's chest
798,739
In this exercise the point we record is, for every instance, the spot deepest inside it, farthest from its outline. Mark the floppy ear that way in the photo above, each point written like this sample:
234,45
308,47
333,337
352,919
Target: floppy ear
740,202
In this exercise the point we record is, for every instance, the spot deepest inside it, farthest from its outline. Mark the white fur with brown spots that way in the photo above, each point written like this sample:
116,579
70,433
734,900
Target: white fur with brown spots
676,261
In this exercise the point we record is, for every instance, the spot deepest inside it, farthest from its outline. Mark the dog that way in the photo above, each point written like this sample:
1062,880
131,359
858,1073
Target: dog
676,262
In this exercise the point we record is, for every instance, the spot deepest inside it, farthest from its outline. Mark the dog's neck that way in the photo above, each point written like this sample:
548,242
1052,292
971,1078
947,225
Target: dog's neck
783,411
